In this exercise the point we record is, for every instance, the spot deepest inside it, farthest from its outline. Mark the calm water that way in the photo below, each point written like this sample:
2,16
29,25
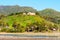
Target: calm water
24,35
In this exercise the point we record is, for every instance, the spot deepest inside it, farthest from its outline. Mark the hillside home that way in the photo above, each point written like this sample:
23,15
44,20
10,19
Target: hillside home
31,13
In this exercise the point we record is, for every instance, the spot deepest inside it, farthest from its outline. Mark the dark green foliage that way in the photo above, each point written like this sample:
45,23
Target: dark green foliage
53,27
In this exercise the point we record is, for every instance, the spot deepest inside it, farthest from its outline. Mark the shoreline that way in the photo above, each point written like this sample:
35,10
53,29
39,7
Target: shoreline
9,38
31,38
39,33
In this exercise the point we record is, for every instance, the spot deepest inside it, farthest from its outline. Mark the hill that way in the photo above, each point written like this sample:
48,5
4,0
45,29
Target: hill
29,23
5,10
15,21
50,14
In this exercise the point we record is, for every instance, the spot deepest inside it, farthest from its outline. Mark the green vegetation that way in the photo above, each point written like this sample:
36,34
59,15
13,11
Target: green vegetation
26,23
50,15
13,20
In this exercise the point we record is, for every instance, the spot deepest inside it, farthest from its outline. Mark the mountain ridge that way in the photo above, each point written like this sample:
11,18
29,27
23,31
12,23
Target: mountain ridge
14,9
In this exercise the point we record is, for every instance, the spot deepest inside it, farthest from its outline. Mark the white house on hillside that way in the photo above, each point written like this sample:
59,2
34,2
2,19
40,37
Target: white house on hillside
31,13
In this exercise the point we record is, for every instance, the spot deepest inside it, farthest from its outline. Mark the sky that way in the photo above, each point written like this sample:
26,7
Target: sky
37,4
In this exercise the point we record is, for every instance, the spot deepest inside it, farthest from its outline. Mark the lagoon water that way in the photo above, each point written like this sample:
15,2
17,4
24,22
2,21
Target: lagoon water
24,35
27,37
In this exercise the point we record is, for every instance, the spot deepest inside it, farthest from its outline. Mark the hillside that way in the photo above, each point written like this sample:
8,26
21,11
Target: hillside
50,14
44,21
23,23
5,10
